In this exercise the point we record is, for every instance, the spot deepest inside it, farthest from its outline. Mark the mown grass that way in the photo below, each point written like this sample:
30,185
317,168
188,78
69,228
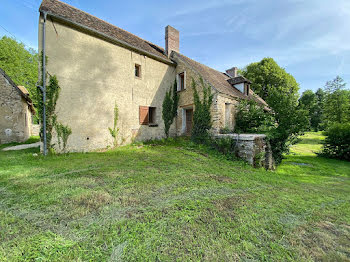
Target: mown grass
173,201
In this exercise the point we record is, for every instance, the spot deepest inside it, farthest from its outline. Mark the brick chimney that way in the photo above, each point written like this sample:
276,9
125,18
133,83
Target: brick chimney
233,72
172,40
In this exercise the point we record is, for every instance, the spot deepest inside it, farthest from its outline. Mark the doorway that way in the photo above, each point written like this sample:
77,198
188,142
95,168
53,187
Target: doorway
189,121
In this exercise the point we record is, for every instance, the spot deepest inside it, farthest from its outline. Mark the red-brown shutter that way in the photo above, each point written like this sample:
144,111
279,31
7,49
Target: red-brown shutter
143,115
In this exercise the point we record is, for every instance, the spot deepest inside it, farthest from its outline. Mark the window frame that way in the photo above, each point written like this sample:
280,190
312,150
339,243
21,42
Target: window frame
181,81
148,118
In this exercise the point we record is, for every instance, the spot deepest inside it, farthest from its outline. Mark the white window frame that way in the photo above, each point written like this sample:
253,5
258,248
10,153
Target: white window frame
178,88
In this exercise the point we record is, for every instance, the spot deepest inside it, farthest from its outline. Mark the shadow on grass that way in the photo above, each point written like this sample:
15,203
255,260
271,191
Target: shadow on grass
315,165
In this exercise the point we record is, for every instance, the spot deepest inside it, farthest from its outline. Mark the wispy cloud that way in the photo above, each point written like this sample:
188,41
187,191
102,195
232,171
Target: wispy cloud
195,7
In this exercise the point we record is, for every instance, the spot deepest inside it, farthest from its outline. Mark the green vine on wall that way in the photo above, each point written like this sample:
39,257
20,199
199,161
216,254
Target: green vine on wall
52,94
201,116
170,103
114,131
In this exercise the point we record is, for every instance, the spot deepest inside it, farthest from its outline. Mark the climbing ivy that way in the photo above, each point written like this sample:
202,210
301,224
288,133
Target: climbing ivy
201,116
114,131
63,132
52,94
170,103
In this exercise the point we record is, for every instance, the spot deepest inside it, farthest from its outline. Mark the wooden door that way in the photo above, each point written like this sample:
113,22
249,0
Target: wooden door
189,121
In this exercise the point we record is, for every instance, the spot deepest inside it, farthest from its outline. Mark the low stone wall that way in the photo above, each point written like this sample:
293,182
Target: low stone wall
35,130
254,148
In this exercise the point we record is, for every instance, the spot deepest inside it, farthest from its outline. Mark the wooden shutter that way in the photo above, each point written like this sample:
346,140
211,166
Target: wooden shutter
143,113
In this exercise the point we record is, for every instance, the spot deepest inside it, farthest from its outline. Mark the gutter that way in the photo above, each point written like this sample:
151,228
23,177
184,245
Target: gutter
109,38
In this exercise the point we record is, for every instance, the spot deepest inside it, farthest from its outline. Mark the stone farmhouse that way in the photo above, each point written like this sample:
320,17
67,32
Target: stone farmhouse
99,65
16,111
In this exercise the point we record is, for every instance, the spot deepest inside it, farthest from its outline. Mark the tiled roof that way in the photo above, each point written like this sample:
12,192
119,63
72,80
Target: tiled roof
70,13
20,89
24,90
218,79
238,80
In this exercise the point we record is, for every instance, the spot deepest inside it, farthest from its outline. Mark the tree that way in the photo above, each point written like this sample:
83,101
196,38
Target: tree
170,104
337,102
201,116
280,90
317,120
309,102
20,63
252,118
267,75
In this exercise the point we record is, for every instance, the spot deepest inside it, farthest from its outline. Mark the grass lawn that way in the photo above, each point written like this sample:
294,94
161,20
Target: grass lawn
173,201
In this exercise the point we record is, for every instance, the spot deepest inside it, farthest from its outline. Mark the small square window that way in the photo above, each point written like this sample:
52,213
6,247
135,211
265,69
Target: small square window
137,70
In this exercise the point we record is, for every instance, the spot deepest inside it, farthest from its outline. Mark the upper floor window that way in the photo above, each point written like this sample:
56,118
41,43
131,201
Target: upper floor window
137,70
181,81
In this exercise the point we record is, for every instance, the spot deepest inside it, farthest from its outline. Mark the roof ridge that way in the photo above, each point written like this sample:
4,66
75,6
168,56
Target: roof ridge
200,63
80,10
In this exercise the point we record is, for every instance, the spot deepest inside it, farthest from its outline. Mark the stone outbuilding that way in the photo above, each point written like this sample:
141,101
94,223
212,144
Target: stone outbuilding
16,109
99,65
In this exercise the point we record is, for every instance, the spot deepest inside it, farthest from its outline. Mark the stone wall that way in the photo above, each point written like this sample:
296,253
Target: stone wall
254,148
15,117
219,100
35,129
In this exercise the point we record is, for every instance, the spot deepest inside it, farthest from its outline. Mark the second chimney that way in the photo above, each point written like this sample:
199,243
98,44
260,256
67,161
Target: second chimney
172,40
233,72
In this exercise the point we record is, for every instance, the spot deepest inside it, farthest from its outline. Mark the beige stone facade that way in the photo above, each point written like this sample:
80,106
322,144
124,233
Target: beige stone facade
99,65
15,113
223,107
94,75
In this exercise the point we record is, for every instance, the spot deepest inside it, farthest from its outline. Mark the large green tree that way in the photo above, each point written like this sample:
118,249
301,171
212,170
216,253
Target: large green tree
318,118
313,104
280,90
20,63
267,75
337,102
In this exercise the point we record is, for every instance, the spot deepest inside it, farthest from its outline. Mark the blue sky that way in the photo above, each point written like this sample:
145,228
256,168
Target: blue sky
309,38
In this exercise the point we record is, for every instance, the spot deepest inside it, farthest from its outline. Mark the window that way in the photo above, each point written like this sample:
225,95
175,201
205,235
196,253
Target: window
137,70
181,81
240,87
148,116
152,115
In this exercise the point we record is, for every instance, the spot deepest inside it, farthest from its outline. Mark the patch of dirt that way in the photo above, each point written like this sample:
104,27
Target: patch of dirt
222,179
228,206
93,200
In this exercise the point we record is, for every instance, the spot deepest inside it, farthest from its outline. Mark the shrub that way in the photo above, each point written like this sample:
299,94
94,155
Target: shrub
252,118
282,127
226,145
337,142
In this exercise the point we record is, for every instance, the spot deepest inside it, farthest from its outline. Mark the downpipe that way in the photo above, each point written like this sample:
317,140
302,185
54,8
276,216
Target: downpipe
43,87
